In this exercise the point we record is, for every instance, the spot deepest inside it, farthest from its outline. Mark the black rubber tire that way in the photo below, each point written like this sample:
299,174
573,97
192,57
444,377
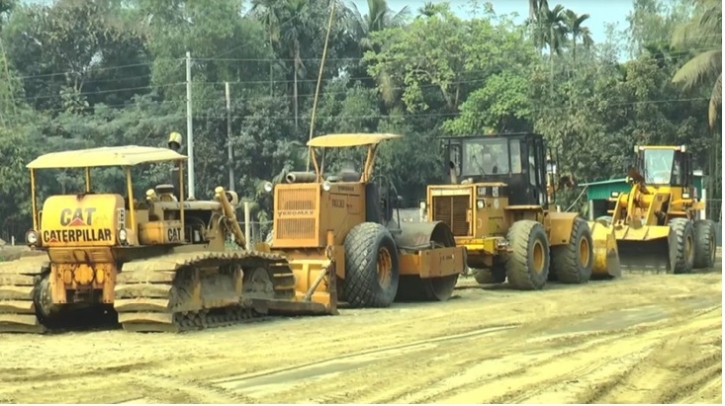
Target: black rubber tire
705,244
565,261
361,286
523,236
681,229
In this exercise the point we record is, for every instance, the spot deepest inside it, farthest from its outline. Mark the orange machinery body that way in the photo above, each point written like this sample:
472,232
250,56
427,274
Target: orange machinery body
310,224
480,217
80,235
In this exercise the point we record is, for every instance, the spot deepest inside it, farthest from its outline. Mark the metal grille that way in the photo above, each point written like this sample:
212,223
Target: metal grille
452,210
297,211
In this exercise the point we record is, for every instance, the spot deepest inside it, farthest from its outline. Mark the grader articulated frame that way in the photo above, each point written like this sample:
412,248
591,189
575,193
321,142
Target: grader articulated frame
348,218
153,265
656,223
499,212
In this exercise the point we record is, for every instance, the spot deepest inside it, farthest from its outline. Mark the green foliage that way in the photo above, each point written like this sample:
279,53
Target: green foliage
81,73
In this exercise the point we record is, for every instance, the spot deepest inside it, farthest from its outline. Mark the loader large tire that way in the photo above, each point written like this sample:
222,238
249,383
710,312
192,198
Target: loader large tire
572,263
371,267
705,244
527,267
681,243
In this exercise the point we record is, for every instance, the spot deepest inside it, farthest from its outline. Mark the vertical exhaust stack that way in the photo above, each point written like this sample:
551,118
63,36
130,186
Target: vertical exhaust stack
454,177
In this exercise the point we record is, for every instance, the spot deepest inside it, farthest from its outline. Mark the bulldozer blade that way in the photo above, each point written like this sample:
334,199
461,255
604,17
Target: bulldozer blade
649,256
606,254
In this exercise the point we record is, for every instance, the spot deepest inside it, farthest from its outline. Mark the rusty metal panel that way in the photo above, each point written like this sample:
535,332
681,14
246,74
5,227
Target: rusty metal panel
453,210
296,215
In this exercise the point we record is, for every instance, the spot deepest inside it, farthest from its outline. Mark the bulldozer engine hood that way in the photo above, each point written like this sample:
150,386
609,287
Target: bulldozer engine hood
81,220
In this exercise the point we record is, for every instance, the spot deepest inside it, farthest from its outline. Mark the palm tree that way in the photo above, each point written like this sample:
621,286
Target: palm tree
577,30
703,33
286,23
549,28
378,18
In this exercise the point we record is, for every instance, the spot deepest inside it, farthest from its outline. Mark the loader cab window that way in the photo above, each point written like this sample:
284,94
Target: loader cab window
483,157
660,166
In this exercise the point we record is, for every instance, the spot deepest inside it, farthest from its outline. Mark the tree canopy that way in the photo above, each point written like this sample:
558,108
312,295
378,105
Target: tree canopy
82,73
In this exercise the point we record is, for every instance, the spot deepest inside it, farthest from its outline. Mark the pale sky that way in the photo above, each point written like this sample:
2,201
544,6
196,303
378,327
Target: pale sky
601,12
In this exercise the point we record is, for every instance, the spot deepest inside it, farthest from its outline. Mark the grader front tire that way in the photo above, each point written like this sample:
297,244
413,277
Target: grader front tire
705,244
371,267
527,267
572,263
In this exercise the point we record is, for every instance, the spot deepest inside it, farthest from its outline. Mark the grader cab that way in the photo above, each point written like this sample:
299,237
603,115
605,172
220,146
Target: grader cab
159,263
656,223
348,217
497,207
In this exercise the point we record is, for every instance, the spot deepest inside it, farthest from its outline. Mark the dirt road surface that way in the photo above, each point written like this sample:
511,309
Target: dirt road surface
640,339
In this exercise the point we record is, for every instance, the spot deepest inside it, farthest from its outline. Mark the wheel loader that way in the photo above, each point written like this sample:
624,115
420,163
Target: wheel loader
349,216
497,207
656,223
153,264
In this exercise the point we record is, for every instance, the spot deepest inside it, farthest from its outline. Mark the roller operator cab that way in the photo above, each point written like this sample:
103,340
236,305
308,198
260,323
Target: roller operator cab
658,222
497,205
349,219
155,263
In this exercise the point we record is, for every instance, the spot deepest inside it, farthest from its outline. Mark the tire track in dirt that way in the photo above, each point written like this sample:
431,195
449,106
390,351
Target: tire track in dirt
171,368
378,374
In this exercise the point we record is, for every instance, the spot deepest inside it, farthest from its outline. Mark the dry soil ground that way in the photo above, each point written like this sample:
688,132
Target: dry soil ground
640,339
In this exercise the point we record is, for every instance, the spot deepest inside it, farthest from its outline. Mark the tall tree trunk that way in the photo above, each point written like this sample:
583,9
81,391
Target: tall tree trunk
295,102
551,62
573,47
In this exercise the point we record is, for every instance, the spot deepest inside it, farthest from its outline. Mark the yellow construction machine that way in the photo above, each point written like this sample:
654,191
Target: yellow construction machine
656,223
348,216
497,207
158,263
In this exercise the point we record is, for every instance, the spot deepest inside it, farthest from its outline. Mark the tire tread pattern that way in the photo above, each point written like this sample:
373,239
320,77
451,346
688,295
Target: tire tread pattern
361,287
565,259
681,228
521,236
705,235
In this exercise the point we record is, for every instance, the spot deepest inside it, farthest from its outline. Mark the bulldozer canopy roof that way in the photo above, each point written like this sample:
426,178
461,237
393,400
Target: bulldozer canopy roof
349,140
106,156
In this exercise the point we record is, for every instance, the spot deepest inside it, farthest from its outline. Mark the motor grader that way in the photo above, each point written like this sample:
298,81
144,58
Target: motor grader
497,207
158,263
656,223
349,216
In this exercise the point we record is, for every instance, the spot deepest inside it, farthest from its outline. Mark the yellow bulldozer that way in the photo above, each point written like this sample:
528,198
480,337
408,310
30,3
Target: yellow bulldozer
497,206
349,216
656,223
158,263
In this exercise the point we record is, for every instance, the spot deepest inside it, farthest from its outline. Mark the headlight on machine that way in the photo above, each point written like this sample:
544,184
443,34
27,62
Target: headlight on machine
326,186
31,237
615,194
480,204
122,236
685,195
268,187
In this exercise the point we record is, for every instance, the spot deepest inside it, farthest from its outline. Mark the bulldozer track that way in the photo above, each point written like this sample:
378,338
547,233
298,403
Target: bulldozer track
172,294
152,296
17,293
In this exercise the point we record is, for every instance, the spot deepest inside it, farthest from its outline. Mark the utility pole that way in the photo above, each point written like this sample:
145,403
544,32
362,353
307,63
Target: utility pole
189,129
229,136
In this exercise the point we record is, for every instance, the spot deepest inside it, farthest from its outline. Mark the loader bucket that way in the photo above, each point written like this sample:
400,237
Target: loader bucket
644,249
606,256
